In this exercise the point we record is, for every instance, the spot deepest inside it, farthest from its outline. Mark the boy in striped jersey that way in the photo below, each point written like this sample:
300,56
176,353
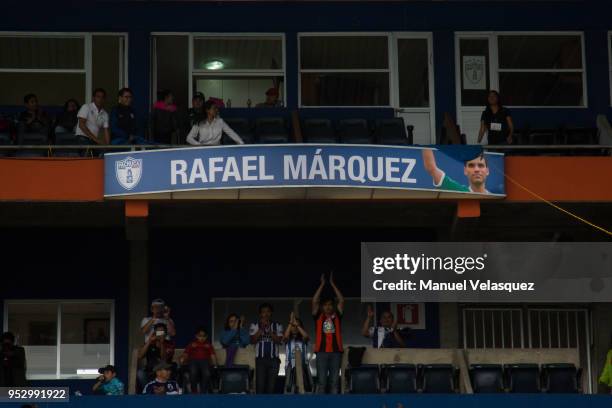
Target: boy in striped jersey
267,336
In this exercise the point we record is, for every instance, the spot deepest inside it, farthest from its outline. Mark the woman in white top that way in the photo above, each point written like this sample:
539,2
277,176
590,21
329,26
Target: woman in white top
208,131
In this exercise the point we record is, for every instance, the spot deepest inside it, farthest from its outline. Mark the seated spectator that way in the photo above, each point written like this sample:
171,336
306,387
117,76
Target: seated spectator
234,336
266,335
162,384
208,131
67,120
123,122
195,114
13,370
93,119
159,349
386,334
164,119
108,383
295,338
160,313
272,100
496,122
198,355
33,119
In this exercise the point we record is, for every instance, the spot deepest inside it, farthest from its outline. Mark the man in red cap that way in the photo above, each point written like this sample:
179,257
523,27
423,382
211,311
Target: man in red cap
271,99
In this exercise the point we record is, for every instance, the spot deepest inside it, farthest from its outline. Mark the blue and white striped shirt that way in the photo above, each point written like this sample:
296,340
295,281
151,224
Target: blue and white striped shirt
265,347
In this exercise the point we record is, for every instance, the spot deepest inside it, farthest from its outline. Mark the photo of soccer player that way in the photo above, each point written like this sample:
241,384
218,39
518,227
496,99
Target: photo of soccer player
476,171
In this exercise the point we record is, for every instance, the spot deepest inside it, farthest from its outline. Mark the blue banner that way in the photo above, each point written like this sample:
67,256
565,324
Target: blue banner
302,165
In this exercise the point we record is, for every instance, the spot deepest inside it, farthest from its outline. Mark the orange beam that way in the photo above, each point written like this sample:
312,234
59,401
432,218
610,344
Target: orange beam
468,209
136,208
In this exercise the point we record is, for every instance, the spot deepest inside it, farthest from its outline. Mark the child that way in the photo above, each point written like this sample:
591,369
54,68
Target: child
328,341
266,335
108,383
296,338
198,355
234,336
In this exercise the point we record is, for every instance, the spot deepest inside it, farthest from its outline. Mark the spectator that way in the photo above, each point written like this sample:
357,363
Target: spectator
93,118
108,383
162,384
271,99
164,120
496,121
267,336
328,340
160,313
159,349
195,114
295,338
384,335
67,120
13,372
33,119
234,336
198,355
208,131
123,122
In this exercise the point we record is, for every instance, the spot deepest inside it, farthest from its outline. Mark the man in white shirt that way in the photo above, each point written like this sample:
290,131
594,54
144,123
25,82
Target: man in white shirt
93,118
210,129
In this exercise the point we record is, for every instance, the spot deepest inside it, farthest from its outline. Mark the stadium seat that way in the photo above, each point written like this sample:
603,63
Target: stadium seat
364,379
5,140
271,130
391,131
437,378
32,138
318,131
354,131
542,137
234,380
240,126
401,379
66,138
487,378
523,378
561,378
579,136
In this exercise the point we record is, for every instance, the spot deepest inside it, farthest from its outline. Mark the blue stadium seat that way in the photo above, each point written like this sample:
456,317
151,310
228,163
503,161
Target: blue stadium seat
66,138
33,138
401,379
234,380
240,126
318,131
523,378
354,131
561,378
437,378
364,379
391,131
487,378
271,130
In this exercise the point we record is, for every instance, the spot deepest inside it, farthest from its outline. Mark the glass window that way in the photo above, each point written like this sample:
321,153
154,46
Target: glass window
172,66
107,66
238,90
540,52
42,53
475,75
239,53
541,88
413,72
84,330
344,70
52,88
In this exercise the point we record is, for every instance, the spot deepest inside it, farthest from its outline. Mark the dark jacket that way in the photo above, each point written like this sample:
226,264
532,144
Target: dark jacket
13,368
67,120
123,123
164,124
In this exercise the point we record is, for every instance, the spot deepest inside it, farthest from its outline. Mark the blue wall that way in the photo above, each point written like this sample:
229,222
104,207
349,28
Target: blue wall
440,17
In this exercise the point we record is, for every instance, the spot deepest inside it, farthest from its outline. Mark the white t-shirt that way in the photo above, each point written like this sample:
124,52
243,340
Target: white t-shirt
96,119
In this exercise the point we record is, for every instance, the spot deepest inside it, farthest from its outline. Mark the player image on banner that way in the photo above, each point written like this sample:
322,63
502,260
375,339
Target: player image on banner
476,171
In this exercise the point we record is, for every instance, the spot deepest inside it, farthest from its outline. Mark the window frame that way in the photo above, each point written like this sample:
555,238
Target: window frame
492,37
87,55
390,71
58,303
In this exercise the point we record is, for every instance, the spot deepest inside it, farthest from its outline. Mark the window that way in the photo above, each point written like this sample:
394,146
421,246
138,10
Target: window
344,70
63,339
541,70
57,67
610,62
238,69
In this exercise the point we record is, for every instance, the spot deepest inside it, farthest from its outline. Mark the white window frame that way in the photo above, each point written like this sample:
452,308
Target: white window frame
494,69
87,63
388,70
192,36
58,303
